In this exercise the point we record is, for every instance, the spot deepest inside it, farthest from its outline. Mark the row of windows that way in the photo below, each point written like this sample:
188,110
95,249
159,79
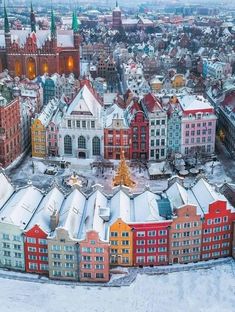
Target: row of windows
16,238
215,238
217,229
90,250
89,258
204,124
96,266
216,246
95,145
186,234
59,264
157,132
158,142
186,243
9,246
60,256
215,254
187,225
124,260
151,233
158,122
33,240
142,259
199,140
16,263
124,251
151,249
33,257
186,251
60,248
123,242
81,124
217,220
35,249
123,234
34,266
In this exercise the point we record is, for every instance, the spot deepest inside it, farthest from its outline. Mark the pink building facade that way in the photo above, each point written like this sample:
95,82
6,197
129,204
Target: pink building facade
198,127
94,259
52,139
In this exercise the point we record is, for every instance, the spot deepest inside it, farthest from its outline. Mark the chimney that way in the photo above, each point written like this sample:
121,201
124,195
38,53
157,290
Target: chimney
54,220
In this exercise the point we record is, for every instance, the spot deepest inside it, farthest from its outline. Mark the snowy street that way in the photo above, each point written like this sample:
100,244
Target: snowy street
202,290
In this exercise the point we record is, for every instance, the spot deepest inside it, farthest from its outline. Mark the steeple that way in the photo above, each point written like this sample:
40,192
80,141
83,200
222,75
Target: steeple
75,25
6,22
53,25
32,19
116,4
122,176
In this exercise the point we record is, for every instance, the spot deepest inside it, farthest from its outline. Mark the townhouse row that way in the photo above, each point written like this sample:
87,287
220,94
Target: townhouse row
79,237
146,128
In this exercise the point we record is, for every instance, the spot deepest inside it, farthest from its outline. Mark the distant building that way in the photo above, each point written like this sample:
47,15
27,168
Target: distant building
10,131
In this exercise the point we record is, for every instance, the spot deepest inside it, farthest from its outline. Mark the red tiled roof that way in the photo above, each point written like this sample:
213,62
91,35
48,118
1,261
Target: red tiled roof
151,102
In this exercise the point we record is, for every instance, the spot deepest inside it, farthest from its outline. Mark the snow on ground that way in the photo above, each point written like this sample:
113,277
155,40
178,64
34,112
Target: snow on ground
210,290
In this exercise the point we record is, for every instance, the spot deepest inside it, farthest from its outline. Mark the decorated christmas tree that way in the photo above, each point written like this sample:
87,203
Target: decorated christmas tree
122,176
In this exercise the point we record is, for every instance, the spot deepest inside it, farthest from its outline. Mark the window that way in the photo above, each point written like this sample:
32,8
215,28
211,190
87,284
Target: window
114,242
56,273
162,232
67,145
99,266
114,234
5,236
99,275
69,257
151,241
32,249
100,250
162,249
83,123
92,124
151,233
141,234
87,266
140,259
151,249
140,242
81,142
125,234
42,241
43,250
33,266
69,123
68,248
56,248
100,259
88,275
96,146
78,123
125,242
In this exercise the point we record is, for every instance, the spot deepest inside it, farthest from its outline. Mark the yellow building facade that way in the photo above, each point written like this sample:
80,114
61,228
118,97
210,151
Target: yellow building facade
178,81
121,241
38,139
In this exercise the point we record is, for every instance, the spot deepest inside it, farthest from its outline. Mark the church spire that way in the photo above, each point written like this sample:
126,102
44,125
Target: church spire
75,25
116,4
32,19
6,22
122,176
53,25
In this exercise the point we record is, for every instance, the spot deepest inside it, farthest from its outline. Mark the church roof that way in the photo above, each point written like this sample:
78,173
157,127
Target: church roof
64,37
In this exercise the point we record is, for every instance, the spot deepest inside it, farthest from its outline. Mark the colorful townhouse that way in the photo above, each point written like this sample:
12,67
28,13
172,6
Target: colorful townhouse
10,131
218,216
116,133
198,125
38,129
120,232
150,231
185,237
174,127
139,131
40,226
94,246
15,216
63,246
157,116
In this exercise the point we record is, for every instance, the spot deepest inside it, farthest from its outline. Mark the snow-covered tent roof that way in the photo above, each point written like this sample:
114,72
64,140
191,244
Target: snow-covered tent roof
72,212
6,189
96,213
50,203
120,205
21,206
146,207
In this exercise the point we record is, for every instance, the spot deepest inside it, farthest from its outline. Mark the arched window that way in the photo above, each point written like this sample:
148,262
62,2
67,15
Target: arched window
45,67
17,68
31,68
81,142
67,145
70,64
96,146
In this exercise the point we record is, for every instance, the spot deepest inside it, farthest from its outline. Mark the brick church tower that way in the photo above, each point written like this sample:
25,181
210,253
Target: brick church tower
117,17
32,52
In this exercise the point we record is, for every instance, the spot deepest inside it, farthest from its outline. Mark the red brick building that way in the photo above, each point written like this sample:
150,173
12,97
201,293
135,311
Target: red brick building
150,243
35,249
217,231
139,132
10,134
30,53
116,134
